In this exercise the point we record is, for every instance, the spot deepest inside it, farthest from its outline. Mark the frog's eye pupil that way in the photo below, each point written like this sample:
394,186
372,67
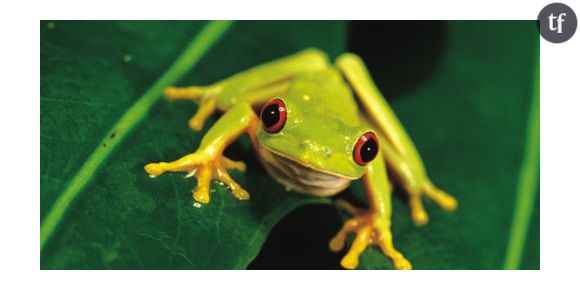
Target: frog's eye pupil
273,116
366,148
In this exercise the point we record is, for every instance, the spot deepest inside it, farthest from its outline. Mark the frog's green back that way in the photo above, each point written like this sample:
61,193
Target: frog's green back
324,93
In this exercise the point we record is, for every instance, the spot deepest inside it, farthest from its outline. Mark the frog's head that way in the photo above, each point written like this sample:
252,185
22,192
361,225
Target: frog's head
307,145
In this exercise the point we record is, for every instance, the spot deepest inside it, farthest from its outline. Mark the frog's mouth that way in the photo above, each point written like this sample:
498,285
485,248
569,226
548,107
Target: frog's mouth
300,177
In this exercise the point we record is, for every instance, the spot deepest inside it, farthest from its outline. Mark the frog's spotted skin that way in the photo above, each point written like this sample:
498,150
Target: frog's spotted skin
322,111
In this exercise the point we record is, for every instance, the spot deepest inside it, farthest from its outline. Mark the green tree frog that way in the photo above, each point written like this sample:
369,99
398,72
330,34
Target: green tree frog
320,127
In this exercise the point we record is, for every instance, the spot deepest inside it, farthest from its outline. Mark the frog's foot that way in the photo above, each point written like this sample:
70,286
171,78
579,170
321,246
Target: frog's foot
370,228
204,167
205,96
440,197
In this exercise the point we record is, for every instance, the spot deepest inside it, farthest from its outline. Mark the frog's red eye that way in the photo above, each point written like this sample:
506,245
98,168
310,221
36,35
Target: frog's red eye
366,148
273,116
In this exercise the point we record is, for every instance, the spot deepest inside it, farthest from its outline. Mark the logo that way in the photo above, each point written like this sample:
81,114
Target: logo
557,22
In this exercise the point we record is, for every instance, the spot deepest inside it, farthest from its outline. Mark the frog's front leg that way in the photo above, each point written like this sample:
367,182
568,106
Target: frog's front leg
372,226
208,162
254,86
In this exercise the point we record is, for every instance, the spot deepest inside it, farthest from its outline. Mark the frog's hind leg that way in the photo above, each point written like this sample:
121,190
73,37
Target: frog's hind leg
400,153
254,86
205,96
208,99
414,180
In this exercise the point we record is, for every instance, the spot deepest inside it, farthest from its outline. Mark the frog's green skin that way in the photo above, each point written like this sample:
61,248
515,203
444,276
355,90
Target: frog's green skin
328,109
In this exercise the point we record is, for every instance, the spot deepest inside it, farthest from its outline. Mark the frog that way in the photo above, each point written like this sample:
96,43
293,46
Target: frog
316,126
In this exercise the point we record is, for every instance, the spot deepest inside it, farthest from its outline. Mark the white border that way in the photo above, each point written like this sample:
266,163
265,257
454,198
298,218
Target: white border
295,9
559,157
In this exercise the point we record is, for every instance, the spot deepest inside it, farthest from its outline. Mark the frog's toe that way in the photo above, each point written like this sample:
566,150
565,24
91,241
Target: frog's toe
418,213
237,191
361,241
337,242
240,193
445,200
196,122
184,93
349,262
402,264
419,217
230,164
206,109
154,169
201,193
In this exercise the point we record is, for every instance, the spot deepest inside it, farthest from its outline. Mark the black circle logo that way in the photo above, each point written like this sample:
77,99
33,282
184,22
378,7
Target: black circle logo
557,22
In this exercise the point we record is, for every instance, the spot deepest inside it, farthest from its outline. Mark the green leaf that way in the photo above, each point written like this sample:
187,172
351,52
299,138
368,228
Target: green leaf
468,118
92,74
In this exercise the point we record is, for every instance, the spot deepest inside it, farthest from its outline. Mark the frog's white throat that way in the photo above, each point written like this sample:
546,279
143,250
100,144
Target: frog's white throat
299,177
